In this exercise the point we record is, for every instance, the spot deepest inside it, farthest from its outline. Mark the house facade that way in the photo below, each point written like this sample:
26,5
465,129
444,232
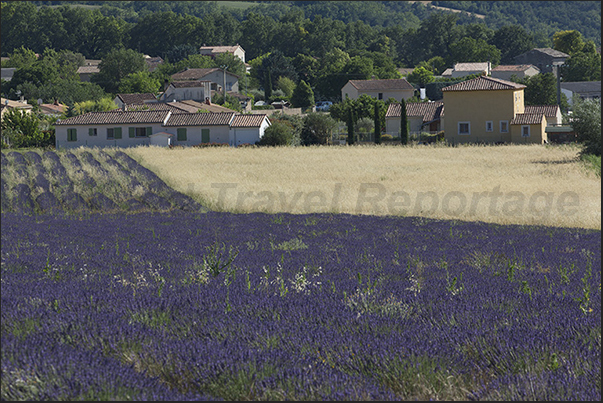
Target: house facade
552,113
378,89
543,58
490,110
123,100
467,69
421,117
506,72
213,51
152,127
219,78
196,90
581,89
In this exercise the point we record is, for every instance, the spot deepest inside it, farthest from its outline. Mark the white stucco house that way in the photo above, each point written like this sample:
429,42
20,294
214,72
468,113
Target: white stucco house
378,89
212,51
158,127
219,78
467,69
196,90
421,116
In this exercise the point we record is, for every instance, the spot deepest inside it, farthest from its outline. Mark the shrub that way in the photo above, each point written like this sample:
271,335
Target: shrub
587,125
278,134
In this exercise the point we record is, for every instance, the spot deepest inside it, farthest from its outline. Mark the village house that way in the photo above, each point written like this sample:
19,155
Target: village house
7,104
490,110
467,69
219,78
421,116
123,100
543,58
581,89
197,90
120,128
520,71
213,51
378,89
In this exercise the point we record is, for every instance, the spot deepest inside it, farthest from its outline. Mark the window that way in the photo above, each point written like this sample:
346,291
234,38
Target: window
113,133
525,131
380,95
71,134
92,132
205,135
139,131
504,126
464,128
489,126
181,136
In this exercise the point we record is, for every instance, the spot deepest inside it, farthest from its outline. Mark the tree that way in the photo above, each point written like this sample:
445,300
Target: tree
22,129
512,40
277,134
541,89
286,85
582,67
268,85
180,52
467,50
140,82
350,124
586,122
21,57
317,129
117,65
403,123
568,42
303,96
420,75
377,124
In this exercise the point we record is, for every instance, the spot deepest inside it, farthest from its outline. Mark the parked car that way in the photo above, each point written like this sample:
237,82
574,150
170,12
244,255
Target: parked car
323,106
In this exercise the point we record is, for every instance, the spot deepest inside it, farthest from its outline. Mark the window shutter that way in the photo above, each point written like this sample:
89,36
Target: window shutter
71,134
91,132
117,133
132,131
149,131
205,135
181,134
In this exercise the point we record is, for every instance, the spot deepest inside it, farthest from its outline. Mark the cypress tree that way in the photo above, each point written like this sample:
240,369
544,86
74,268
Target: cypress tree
351,137
403,123
377,125
268,86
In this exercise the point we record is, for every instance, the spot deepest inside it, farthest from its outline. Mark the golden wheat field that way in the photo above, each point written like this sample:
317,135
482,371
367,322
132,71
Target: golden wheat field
514,184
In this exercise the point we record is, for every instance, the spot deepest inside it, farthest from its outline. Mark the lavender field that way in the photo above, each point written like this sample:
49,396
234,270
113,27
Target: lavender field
179,303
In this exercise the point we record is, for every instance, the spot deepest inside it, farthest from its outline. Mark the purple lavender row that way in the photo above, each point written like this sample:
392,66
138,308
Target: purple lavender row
379,306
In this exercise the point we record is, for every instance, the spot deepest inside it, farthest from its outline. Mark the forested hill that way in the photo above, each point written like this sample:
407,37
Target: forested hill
542,18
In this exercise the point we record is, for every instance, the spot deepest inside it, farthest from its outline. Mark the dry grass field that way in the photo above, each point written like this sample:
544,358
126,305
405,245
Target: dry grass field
515,184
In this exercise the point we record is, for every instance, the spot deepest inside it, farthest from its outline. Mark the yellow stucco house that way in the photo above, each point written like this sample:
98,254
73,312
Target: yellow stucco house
490,110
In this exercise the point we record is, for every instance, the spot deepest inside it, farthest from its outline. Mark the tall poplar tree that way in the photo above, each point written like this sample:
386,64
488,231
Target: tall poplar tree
403,123
377,124
351,136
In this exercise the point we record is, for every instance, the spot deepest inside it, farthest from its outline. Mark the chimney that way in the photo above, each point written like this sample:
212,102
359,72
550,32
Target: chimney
207,101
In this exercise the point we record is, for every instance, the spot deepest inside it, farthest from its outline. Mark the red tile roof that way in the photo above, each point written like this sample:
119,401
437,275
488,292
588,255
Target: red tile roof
526,119
429,111
513,67
483,83
200,119
138,98
189,84
248,120
392,84
116,117
546,110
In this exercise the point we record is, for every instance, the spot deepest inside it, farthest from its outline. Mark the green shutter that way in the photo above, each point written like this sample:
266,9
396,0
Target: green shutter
149,131
132,132
71,134
117,133
181,134
205,135
91,132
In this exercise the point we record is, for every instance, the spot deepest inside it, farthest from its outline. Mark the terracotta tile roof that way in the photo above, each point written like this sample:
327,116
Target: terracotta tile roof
88,69
116,117
193,74
392,84
206,107
189,84
137,98
220,49
175,107
513,67
527,119
471,66
483,83
546,110
200,119
551,52
248,120
429,111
